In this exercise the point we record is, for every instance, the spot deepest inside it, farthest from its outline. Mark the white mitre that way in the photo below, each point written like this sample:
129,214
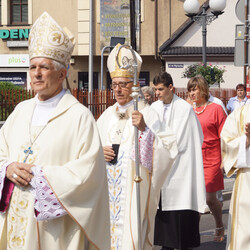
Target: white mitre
125,57
47,39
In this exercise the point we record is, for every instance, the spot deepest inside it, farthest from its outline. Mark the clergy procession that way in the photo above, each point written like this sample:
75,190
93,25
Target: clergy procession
137,178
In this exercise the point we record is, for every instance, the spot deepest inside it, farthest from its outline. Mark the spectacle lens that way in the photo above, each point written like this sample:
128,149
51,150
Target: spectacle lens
122,85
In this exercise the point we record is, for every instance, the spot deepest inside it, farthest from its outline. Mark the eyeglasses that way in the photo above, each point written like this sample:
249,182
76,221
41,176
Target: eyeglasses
122,85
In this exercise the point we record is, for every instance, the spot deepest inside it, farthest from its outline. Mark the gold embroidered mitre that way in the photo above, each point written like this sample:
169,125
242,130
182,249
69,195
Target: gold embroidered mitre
48,39
125,57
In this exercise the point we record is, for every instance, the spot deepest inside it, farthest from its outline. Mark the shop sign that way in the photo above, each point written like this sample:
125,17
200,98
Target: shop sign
14,33
175,65
17,78
14,44
14,60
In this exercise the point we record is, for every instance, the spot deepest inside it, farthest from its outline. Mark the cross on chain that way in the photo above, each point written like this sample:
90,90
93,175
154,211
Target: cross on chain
28,152
118,132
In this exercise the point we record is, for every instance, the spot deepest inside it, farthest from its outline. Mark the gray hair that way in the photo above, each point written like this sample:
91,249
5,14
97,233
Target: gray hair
148,90
58,65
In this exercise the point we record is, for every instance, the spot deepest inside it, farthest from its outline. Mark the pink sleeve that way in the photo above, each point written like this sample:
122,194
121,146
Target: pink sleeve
47,207
6,188
146,141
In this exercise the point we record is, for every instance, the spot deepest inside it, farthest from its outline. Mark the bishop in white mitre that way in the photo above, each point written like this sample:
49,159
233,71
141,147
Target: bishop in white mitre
157,151
53,185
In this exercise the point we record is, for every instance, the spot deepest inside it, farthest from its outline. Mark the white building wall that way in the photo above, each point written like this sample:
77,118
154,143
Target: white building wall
83,27
232,76
220,33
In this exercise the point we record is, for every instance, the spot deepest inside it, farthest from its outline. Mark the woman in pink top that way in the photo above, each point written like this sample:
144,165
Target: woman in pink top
212,118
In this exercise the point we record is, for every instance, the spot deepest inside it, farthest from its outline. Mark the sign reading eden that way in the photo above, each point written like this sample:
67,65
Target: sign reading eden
14,33
14,60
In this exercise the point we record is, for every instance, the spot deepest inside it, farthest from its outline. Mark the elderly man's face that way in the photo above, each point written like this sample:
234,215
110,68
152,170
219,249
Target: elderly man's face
241,93
122,89
45,79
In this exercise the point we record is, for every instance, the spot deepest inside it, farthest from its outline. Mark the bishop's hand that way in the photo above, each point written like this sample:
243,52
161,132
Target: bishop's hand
138,120
19,173
109,153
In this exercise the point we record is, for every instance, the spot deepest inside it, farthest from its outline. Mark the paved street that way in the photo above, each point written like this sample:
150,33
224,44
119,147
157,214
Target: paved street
207,226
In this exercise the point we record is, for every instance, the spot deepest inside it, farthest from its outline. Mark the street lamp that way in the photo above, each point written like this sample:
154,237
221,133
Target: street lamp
192,7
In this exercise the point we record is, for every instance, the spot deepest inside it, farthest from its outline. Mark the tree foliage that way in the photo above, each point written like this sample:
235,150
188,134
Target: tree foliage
10,96
212,73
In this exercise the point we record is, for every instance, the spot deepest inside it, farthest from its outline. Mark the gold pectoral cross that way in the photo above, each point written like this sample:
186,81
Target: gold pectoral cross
28,152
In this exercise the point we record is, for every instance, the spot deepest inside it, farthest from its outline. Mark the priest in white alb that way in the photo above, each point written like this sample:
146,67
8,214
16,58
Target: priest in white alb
157,150
235,141
53,185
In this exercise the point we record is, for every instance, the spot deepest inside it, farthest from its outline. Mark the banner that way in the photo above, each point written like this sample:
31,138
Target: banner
14,60
17,78
115,20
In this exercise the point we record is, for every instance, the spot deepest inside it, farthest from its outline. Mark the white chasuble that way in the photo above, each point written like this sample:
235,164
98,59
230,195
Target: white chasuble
122,191
232,135
184,187
70,154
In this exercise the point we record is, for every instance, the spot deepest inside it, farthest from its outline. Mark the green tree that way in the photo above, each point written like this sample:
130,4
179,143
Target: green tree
10,96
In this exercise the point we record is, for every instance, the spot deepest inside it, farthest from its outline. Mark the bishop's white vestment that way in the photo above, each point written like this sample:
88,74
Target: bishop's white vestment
236,159
69,151
122,188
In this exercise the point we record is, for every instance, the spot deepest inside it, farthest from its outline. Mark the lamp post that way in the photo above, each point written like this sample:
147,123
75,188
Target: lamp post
192,7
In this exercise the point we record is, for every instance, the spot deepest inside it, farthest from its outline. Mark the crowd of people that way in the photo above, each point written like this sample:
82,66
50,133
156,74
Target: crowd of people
68,182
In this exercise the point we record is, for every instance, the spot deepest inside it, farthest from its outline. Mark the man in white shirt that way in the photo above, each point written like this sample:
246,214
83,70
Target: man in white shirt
239,100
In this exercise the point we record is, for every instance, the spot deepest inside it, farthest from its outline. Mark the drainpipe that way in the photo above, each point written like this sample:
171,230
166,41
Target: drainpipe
156,30
246,39
157,57
170,18
132,24
90,87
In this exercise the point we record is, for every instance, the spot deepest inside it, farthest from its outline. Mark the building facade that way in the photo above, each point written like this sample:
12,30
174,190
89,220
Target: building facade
155,35
184,47
159,18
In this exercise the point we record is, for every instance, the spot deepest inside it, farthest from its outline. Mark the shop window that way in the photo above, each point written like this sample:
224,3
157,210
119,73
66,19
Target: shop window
83,80
144,78
17,78
18,12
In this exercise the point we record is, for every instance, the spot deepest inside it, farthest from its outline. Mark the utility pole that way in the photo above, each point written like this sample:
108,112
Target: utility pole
246,38
132,24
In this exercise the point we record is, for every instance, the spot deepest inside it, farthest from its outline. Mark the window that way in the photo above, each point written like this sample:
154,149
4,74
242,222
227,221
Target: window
83,80
18,12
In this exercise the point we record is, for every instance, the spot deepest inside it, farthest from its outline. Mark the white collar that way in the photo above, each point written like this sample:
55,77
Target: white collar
51,102
123,108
